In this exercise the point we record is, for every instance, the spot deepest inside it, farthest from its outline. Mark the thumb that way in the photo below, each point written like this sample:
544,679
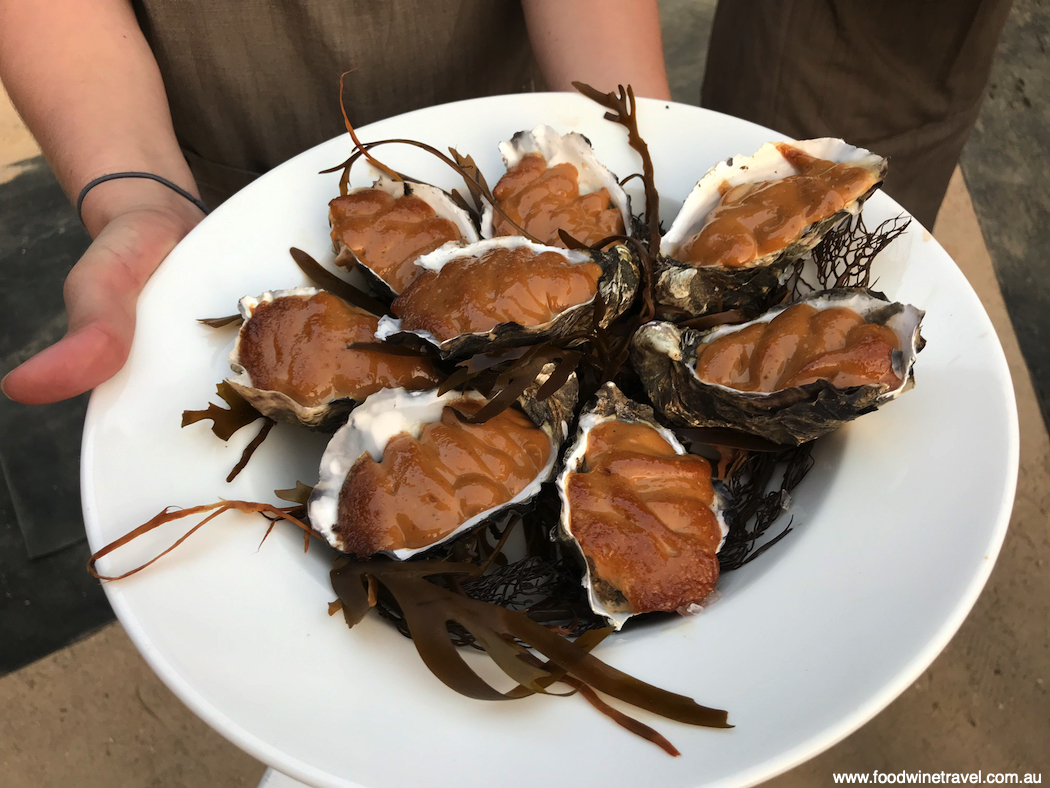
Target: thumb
100,293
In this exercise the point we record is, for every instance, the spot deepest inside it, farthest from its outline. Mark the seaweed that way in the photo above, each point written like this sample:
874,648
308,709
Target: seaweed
505,635
171,514
845,255
221,322
754,506
326,280
226,421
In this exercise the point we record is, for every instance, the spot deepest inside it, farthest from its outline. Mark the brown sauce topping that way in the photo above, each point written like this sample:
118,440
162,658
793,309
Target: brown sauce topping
423,489
756,219
802,345
543,200
298,346
642,516
502,285
388,234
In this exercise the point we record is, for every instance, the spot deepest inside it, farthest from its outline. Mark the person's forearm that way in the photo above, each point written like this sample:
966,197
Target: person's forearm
84,80
604,43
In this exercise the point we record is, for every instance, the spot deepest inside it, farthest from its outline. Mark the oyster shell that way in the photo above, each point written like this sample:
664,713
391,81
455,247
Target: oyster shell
616,287
686,289
555,148
666,568
393,412
665,358
443,205
327,415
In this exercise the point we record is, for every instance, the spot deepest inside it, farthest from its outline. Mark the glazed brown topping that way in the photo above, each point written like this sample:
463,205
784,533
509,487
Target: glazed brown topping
388,234
642,515
423,489
298,346
756,219
502,285
799,346
543,200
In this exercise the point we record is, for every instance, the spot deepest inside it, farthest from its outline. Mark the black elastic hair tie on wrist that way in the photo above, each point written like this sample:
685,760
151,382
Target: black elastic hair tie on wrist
148,176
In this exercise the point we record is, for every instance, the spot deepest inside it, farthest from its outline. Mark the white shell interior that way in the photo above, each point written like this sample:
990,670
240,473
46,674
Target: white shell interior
765,165
905,324
557,149
380,417
588,421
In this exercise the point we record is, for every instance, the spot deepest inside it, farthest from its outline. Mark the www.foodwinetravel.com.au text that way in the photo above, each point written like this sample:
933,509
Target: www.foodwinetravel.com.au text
936,778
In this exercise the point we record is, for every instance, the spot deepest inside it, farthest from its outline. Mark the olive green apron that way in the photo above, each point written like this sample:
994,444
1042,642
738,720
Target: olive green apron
251,84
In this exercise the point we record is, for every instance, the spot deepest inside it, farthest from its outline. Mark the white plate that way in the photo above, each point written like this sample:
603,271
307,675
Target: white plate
898,525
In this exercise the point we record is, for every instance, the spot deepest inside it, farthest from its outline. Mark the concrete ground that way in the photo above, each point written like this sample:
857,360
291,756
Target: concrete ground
78,706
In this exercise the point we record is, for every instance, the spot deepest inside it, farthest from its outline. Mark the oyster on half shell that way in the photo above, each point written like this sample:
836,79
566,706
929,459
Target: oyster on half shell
406,474
641,511
666,357
556,150
388,264
616,287
292,362
693,289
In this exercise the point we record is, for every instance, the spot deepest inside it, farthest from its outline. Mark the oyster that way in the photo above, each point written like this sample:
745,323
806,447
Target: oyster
641,511
755,381
406,473
749,219
508,292
383,228
293,364
553,181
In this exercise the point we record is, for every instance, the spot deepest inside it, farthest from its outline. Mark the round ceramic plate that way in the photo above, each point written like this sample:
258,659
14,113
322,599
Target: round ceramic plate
896,527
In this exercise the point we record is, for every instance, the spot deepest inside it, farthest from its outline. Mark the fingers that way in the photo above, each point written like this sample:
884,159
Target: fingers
100,293
73,365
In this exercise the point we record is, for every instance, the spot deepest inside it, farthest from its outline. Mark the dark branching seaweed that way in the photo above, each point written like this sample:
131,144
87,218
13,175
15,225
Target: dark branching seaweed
844,257
757,502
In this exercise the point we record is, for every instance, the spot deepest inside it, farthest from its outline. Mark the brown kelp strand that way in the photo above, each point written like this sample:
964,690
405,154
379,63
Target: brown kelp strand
221,322
326,280
505,635
759,490
463,165
249,450
171,514
623,109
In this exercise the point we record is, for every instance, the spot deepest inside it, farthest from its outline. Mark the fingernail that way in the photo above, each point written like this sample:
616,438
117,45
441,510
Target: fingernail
4,388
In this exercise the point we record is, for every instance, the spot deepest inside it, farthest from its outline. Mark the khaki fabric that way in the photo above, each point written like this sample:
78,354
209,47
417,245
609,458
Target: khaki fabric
251,84
904,78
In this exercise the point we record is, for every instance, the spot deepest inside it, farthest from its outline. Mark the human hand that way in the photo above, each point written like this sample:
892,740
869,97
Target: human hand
101,291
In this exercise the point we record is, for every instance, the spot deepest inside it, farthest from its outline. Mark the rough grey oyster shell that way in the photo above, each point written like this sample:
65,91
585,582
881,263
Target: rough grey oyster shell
683,289
616,287
611,404
665,358
571,148
392,411
443,205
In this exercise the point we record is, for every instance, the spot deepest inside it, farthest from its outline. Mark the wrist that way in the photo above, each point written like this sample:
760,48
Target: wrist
110,200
